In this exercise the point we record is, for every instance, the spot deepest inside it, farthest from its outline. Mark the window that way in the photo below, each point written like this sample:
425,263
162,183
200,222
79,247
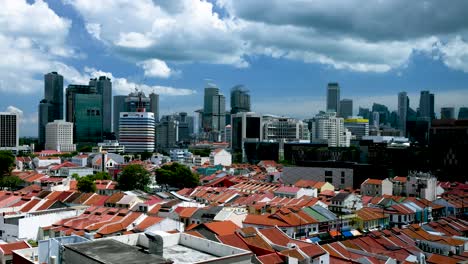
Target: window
328,173
342,174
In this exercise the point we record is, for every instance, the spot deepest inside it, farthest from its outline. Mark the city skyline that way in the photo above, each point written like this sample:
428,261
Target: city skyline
80,41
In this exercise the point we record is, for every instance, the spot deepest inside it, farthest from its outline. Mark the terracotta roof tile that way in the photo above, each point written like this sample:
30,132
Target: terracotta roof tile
147,222
9,247
222,228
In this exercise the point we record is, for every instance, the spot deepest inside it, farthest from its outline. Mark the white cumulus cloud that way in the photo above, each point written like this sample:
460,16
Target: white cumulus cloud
155,68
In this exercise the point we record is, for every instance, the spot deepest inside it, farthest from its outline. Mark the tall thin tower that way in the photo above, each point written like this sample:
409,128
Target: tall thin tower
333,97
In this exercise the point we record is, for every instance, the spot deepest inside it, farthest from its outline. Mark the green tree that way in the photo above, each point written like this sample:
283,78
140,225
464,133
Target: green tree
101,176
7,161
146,155
201,152
86,185
134,177
177,175
75,176
11,182
86,149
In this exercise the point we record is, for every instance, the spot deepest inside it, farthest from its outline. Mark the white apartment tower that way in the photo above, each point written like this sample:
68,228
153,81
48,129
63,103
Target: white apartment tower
59,136
326,127
9,127
137,131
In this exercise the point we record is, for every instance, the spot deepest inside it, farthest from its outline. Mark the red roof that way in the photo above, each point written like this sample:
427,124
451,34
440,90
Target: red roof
373,181
233,240
272,258
222,228
288,189
8,248
147,222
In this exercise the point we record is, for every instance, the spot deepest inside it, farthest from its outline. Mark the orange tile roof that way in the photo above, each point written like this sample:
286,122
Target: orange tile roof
272,258
147,222
437,259
373,181
233,240
187,212
222,228
7,249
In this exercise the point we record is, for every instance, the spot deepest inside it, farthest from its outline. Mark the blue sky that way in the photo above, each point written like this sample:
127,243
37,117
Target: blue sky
284,52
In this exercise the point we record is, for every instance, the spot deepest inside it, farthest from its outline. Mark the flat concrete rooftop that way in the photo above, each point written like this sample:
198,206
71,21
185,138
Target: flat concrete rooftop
111,251
181,254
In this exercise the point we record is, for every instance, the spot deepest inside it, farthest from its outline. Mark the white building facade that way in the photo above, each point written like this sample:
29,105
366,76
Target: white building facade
59,136
137,131
284,128
327,127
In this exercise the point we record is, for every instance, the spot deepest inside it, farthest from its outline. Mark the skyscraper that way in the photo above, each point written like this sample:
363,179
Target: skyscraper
9,130
51,107
59,136
240,99
346,108
327,127
426,106
384,113
154,105
130,103
84,110
463,113
214,112
246,126
167,132
104,87
333,97
119,106
403,105
136,131
447,113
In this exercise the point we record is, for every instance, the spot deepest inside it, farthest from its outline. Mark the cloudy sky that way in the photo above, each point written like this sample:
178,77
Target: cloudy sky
284,52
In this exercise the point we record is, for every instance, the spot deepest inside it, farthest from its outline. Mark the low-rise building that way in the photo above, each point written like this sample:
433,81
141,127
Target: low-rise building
345,203
376,187
295,192
220,157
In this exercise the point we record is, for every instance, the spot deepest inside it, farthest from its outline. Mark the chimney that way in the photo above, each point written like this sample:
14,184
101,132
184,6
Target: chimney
103,161
155,243
53,260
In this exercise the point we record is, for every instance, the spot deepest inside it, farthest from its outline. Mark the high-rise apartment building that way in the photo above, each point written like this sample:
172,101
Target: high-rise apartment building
358,126
284,129
364,112
463,113
333,97
447,113
104,87
51,107
214,112
59,136
426,106
9,130
327,127
137,131
167,132
240,99
346,108
403,106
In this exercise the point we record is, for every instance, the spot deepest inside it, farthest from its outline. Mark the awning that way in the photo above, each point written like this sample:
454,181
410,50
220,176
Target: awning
314,239
356,233
347,234
334,233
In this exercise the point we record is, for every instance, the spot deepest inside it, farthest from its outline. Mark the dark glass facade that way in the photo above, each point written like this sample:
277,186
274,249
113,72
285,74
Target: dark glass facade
88,118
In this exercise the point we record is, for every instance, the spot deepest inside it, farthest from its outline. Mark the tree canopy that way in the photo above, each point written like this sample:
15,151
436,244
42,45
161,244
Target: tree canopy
7,161
86,185
10,182
134,177
177,175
